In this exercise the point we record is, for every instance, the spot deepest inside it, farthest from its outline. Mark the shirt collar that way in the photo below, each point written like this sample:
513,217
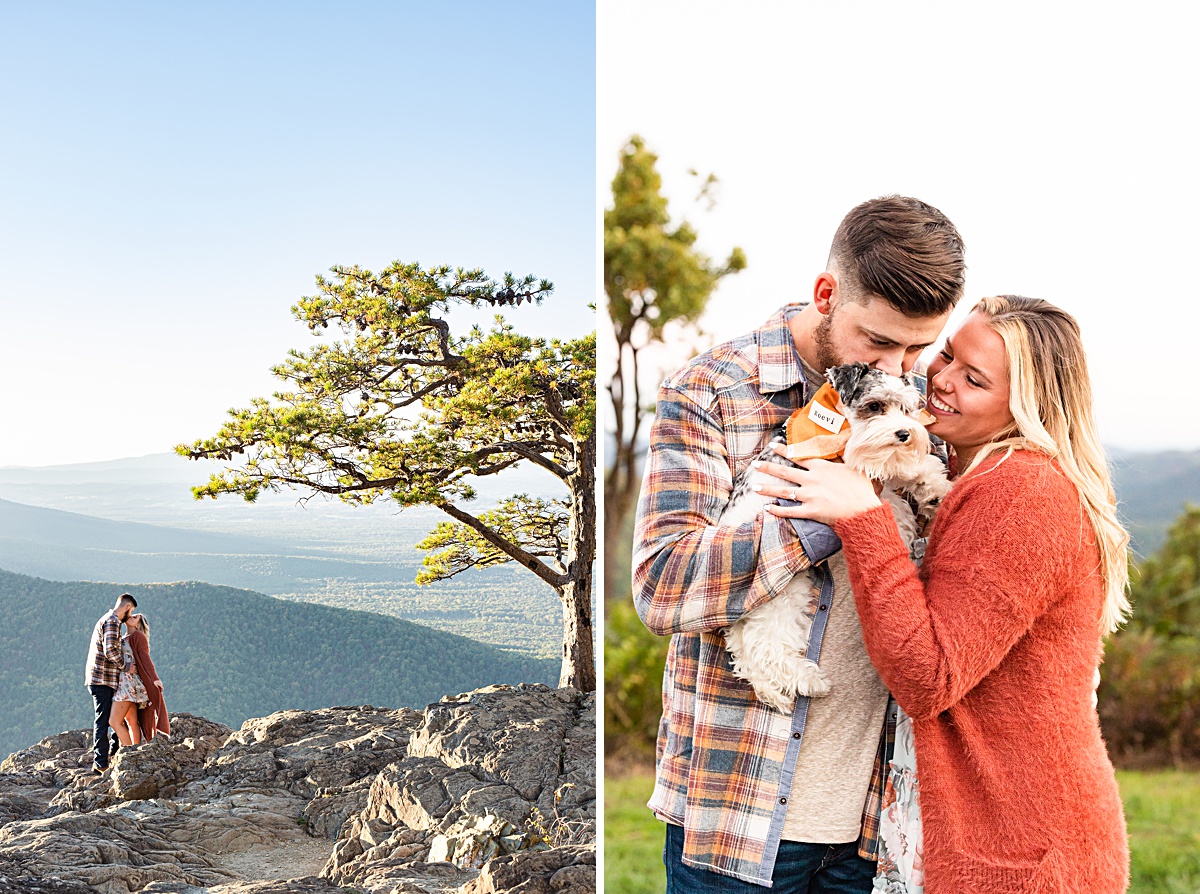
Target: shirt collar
778,364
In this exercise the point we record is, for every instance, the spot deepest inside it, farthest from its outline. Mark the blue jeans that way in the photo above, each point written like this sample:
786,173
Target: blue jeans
800,868
102,744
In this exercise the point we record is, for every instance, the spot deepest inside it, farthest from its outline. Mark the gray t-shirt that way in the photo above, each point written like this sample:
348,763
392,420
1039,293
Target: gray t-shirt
841,735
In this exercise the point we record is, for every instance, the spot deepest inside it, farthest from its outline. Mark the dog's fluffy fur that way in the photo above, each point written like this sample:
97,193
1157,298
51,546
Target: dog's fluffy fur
888,444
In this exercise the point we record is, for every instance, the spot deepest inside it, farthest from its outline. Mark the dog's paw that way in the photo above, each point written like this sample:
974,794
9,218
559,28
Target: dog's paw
781,701
811,682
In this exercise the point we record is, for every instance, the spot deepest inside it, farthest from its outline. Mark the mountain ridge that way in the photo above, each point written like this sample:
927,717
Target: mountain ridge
230,654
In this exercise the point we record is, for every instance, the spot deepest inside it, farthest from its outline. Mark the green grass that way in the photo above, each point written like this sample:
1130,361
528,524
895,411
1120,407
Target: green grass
633,838
1162,810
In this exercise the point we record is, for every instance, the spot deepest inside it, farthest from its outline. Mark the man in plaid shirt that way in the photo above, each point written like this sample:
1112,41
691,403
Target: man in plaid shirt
103,675
753,797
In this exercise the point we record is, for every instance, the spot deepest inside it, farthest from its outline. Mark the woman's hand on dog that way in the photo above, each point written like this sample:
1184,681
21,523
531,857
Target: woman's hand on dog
828,491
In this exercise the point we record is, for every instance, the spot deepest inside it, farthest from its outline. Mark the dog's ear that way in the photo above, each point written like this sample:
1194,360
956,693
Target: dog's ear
846,379
909,378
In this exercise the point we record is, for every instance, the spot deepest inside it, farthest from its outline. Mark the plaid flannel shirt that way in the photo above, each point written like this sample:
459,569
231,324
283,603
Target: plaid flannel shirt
724,765
105,659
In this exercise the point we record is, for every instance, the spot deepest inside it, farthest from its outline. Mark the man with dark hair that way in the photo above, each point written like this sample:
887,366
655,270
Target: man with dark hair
103,674
749,793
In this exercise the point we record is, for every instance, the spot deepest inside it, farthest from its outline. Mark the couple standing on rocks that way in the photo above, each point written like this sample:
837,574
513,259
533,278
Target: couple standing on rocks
126,691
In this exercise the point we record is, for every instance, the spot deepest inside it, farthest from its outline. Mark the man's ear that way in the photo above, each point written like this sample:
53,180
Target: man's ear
825,292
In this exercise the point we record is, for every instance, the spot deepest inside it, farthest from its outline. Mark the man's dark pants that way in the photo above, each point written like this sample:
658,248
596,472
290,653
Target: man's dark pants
799,869
102,699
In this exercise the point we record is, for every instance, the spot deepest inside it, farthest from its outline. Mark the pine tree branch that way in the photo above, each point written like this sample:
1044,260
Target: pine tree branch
555,579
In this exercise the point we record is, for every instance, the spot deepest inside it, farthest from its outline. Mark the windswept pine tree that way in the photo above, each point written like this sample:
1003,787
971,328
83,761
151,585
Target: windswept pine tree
402,408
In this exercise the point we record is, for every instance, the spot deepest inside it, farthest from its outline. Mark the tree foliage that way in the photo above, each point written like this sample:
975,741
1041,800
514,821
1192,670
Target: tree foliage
634,660
1166,586
401,407
1150,690
653,276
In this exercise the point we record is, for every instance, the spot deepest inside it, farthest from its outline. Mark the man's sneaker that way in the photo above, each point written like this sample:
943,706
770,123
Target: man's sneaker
97,770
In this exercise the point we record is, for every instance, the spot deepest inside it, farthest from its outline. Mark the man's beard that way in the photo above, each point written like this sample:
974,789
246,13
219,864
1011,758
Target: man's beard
827,355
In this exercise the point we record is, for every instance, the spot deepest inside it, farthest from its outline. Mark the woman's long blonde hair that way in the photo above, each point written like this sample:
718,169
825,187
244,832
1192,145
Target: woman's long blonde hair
1050,396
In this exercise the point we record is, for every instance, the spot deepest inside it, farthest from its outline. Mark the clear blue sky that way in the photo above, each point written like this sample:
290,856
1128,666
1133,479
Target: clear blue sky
174,176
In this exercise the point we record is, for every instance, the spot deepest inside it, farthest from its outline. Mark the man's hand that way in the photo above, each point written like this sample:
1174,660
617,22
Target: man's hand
159,684
829,492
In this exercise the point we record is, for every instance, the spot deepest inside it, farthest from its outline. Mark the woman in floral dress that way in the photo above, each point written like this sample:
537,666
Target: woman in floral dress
130,695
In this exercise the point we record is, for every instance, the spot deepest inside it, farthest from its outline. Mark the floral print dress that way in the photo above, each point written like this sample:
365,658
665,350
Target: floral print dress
901,869
130,687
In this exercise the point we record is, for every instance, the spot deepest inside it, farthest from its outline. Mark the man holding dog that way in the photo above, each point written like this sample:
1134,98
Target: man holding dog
749,793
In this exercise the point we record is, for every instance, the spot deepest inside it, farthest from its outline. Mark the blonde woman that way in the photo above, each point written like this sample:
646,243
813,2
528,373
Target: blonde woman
130,694
152,717
992,646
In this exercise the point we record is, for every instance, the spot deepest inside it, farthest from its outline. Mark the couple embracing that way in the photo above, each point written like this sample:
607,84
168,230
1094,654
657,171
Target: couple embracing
126,692
958,748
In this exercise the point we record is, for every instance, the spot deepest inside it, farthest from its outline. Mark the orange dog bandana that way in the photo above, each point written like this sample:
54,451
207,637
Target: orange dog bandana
817,430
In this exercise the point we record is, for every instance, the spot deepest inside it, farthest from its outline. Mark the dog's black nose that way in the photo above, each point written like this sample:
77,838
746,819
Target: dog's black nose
902,436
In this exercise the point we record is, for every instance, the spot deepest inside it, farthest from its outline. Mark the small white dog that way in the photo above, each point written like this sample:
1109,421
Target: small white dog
886,442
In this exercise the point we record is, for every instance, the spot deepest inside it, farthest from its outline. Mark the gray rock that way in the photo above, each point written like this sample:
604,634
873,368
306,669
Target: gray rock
512,735
474,840
310,884
564,870
145,771
309,752
357,794
9,885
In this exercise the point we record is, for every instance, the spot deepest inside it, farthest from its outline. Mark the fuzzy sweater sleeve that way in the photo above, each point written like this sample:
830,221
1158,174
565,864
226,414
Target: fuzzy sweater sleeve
1004,540
141,657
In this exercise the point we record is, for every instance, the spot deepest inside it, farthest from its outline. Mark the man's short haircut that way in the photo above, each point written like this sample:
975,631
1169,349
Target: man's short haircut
903,250
125,597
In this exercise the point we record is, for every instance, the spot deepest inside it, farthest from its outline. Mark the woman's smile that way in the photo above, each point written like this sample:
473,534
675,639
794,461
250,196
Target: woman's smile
937,406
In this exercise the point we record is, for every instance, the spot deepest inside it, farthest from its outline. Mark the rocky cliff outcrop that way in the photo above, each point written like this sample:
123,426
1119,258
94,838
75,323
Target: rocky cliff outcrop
486,792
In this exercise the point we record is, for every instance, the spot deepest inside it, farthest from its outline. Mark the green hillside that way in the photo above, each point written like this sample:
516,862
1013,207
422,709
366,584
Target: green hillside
365,560
230,654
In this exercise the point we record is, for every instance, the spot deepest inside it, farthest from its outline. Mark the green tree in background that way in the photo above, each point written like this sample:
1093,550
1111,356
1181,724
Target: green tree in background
653,276
1166,586
1149,698
402,407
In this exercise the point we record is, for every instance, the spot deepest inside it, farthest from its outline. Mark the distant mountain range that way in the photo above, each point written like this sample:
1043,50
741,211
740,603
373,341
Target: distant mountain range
229,654
135,520
1152,491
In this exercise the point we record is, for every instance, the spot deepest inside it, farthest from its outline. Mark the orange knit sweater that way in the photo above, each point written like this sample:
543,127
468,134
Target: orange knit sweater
991,649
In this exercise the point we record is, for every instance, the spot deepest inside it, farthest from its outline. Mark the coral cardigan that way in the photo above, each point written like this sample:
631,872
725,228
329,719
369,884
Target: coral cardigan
154,716
991,648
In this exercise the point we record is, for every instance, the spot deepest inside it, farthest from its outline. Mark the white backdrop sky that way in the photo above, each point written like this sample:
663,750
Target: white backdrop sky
1059,137
174,176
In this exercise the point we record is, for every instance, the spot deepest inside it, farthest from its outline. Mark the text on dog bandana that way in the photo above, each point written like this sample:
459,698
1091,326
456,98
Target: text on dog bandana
825,417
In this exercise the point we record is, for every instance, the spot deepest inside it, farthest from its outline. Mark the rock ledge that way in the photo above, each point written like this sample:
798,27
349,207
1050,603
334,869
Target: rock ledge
481,793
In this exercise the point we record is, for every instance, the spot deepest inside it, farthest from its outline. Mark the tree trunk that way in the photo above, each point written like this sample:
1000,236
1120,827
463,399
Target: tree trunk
622,481
617,547
579,653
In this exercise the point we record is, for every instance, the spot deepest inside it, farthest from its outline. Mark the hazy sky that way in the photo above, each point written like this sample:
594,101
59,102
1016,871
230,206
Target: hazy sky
175,175
1059,137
